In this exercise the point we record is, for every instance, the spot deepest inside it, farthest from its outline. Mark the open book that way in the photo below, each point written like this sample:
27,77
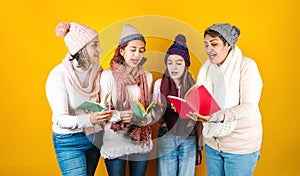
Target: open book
197,99
140,111
94,106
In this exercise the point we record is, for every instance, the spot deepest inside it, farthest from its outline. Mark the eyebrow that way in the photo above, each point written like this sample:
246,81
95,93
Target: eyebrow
213,40
136,47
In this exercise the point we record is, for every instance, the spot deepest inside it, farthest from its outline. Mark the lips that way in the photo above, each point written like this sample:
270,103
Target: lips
212,56
174,73
135,61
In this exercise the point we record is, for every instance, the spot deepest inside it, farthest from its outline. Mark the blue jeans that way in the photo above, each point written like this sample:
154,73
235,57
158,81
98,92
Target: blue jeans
176,154
137,165
75,153
228,164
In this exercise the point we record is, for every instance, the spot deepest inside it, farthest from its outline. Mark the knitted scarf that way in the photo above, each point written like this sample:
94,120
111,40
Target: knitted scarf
92,89
176,125
123,80
223,82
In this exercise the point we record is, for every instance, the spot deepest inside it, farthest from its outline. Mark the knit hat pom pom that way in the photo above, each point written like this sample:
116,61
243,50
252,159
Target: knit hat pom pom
237,30
62,29
180,39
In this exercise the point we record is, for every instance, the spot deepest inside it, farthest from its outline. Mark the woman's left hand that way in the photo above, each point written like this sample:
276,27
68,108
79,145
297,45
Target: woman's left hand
198,117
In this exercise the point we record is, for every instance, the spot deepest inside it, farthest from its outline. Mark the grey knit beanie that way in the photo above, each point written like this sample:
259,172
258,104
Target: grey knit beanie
130,33
230,33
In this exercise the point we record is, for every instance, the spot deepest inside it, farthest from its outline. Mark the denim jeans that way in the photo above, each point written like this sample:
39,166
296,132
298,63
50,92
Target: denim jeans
137,165
227,164
176,154
75,153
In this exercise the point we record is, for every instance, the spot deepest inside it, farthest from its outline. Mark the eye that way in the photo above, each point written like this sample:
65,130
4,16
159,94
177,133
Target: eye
142,50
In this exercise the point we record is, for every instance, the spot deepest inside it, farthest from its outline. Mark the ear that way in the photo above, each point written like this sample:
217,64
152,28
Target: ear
228,46
122,52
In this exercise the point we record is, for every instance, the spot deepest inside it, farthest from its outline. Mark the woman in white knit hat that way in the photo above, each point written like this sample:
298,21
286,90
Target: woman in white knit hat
232,135
125,137
69,84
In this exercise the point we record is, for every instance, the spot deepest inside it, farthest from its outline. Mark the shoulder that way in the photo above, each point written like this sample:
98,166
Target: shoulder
107,72
157,82
58,72
57,77
249,68
148,74
157,85
107,75
248,63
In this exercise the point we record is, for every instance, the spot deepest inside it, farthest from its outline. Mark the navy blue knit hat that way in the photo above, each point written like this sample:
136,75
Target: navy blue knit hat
179,48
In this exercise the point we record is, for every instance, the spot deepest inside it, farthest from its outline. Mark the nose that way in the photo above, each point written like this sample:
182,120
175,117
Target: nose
174,66
99,49
137,53
209,48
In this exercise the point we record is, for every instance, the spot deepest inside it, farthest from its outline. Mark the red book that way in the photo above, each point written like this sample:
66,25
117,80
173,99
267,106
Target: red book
197,99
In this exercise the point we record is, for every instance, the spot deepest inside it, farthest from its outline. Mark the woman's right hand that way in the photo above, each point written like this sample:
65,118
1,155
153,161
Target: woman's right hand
126,116
101,117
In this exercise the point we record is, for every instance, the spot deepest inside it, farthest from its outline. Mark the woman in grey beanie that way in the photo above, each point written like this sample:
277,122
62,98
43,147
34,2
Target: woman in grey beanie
232,135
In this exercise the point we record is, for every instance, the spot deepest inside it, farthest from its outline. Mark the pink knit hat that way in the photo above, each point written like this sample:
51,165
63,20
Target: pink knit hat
76,35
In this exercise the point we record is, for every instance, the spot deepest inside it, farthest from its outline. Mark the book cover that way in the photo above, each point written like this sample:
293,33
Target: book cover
197,99
140,111
90,106
93,106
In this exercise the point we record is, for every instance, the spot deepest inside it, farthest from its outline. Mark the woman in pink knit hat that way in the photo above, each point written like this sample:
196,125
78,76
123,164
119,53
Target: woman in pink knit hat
125,138
76,133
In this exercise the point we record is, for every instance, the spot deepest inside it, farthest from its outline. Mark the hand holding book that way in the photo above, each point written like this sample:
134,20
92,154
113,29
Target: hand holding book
100,113
198,100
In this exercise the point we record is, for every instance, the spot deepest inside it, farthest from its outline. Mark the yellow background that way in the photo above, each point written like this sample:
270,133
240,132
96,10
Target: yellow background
30,49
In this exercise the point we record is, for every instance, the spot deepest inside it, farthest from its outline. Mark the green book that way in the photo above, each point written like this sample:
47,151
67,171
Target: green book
90,106
140,111
93,106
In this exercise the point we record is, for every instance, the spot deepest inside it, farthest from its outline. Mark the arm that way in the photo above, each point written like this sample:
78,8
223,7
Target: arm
106,82
149,82
157,110
57,96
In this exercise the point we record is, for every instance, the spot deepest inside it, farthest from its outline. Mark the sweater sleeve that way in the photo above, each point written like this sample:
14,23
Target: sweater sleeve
57,96
250,93
149,82
106,82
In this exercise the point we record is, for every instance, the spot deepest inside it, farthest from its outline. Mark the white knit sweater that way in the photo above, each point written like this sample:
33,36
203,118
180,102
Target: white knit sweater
63,99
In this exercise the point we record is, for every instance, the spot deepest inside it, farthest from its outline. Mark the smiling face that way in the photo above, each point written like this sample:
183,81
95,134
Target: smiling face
88,55
176,67
93,50
215,49
133,53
